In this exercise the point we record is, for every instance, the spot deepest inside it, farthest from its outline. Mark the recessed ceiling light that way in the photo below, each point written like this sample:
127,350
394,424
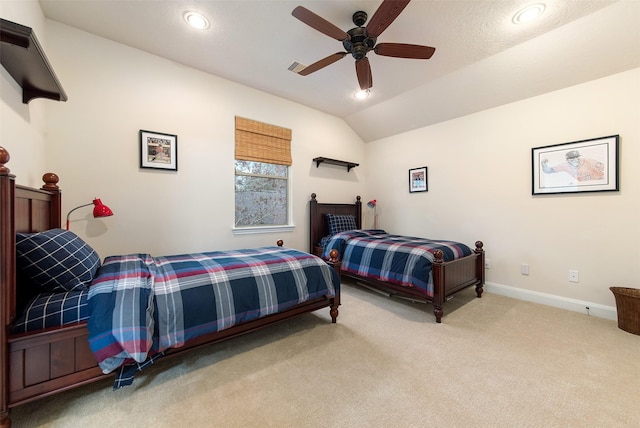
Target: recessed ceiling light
361,95
529,13
196,20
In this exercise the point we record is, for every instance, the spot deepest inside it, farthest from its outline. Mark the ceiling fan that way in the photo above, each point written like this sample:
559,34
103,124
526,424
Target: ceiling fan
360,40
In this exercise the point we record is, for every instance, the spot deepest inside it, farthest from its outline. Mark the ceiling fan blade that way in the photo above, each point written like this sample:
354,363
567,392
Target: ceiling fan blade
384,16
404,50
319,23
363,70
322,63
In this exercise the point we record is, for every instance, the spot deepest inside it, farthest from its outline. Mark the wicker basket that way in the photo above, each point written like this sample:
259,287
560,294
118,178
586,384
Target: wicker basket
628,306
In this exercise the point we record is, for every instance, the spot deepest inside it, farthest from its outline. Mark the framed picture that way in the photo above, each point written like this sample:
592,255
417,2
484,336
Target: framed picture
418,180
158,150
580,166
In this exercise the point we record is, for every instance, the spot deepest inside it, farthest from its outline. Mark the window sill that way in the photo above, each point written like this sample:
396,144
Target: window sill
262,229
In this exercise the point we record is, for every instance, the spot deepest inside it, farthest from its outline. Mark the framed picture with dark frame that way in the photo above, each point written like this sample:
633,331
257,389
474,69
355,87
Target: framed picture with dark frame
158,150
418,180
579,166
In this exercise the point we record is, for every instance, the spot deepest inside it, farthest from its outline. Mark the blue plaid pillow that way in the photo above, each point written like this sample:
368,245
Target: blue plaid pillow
340,223
56,260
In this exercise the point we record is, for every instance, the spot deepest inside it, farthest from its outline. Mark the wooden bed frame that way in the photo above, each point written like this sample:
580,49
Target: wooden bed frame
40,364
448,277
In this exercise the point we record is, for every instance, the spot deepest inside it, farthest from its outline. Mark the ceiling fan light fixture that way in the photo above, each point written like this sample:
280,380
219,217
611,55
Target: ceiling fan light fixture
196,20
529,13
362,94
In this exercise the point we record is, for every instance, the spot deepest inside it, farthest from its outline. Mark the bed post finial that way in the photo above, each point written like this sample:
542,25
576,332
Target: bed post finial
4,158
358,199
50,181
313,196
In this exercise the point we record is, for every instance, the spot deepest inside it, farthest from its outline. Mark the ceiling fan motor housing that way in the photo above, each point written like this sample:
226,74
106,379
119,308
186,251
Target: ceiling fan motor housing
358,43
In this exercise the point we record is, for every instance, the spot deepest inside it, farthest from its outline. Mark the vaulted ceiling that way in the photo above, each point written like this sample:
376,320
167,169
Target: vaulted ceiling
482,58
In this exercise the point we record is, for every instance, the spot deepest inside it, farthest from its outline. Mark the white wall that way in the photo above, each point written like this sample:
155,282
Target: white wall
22,130
479,169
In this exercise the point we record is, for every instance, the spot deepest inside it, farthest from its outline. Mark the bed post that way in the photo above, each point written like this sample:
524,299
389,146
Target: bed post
336,264
313,214
7,276
479,268
437,271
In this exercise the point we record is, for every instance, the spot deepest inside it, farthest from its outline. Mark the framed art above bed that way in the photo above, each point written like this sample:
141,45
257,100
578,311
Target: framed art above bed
418,181
576,167
158,150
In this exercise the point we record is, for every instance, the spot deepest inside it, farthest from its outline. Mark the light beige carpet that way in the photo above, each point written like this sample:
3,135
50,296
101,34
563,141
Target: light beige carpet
493,362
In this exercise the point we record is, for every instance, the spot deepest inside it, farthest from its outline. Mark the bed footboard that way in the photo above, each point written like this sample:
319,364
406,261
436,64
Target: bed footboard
456,275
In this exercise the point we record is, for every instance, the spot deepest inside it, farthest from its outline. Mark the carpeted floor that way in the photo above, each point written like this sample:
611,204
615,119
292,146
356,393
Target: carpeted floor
493,362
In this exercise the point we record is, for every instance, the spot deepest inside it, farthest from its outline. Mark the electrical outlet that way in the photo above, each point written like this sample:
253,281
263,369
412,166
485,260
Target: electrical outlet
524,269
487,264
573,276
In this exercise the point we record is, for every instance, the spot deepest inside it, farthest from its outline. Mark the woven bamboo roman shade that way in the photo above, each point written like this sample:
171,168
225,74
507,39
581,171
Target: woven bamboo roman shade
261,142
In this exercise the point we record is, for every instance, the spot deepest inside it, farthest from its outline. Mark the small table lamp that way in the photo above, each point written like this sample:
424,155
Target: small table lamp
373,204
99,210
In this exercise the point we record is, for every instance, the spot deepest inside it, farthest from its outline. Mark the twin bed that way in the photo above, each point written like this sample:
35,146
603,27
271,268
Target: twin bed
415,268
141,307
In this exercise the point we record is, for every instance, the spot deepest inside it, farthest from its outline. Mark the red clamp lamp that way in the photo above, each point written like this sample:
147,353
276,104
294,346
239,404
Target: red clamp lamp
99,210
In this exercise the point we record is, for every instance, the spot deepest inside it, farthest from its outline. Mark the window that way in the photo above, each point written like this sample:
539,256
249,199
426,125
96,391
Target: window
262,193
263,158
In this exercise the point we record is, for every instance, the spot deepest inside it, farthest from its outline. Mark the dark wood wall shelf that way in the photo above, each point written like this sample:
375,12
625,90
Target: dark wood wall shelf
346,164
24,59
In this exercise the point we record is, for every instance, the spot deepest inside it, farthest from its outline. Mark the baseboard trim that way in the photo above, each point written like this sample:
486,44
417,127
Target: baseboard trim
595,309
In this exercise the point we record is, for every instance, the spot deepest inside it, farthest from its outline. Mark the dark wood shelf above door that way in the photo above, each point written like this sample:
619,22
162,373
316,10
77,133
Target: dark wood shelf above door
346,164
23,57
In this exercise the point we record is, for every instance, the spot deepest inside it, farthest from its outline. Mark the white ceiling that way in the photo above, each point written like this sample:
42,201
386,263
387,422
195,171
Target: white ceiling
482,59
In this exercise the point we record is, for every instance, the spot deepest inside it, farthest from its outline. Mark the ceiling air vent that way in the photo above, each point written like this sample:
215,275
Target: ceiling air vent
296,67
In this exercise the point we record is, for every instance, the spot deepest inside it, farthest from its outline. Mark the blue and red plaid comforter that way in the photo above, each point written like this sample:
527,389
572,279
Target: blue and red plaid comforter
400,260
142,305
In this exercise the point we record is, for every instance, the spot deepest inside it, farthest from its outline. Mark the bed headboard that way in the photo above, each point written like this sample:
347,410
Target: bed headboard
22,209
318,227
